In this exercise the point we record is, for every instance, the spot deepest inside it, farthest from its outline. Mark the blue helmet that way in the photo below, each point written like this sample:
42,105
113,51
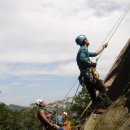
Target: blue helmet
80,39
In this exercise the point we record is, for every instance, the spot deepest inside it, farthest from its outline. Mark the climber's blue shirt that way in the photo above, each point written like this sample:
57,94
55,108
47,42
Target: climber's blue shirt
59,120
83,57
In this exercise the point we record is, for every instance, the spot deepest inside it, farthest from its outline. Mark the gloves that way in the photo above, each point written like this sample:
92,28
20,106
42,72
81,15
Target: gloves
94,65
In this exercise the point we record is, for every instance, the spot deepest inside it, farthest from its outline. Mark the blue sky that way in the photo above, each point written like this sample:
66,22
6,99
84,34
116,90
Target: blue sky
37,47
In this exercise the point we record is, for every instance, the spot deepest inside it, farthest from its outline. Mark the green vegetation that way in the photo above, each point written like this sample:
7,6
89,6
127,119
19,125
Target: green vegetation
80,102
25,119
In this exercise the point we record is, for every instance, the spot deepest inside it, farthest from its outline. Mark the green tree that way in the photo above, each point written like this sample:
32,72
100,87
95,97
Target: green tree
25,119
80,102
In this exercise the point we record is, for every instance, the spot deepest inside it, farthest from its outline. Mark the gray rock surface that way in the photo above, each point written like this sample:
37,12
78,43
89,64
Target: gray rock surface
117,115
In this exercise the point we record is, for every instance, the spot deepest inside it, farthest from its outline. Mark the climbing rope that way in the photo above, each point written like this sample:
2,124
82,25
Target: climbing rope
90,103
70,89
74,95
114,28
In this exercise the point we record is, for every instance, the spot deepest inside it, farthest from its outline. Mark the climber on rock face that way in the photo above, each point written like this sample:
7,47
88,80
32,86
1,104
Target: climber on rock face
86,67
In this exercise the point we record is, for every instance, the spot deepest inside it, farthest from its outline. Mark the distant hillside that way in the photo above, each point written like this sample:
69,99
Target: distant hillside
16,107
60,105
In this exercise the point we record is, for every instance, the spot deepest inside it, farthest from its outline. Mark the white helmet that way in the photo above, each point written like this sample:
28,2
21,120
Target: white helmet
65,113
38,101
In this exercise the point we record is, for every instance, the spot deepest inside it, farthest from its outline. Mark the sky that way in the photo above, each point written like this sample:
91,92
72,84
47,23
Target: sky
38,49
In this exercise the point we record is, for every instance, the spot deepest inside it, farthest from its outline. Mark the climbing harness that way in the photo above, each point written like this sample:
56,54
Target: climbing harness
90,74
95,74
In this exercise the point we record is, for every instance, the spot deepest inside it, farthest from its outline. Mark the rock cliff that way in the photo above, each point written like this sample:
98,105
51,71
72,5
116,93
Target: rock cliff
117,115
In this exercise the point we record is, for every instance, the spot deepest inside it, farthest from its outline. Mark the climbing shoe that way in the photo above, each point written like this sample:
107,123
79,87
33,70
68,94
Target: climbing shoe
99,111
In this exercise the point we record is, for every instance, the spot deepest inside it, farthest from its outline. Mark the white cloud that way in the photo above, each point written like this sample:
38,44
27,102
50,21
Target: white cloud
33,70
37,37
44,31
